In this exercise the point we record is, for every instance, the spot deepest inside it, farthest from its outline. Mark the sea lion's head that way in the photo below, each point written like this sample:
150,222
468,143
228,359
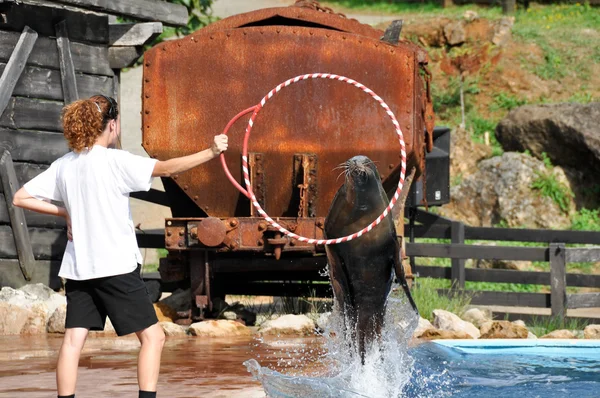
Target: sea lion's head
362,182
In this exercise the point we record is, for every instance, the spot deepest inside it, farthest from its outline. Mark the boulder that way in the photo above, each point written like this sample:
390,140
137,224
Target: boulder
445,320
56,323
41,291
567,132
437,334
37,321
288,325
503,31
423,326
476,316
465,153
12,318
164,313
172,329
180,300
503,330
219,328
592,332
17,297
559,334
501,190
455,33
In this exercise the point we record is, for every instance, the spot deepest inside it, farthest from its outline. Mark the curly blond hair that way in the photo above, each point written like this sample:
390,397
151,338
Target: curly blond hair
85,120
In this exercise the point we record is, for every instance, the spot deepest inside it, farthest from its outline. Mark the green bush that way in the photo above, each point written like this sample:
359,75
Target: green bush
506,102
549,186
544,325
586,220
427,298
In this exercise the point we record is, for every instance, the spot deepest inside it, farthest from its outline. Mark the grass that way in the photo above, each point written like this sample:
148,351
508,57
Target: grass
548,185
544,325
424,292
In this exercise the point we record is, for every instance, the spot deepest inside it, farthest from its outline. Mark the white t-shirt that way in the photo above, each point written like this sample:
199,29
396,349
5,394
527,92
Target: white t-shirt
94,186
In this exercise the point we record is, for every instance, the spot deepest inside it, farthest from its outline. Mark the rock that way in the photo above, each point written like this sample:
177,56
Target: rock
592,332
501,191
470,15
476,317
465,153
531,336
219,328
12,318
41,291
56,323
172,330
288,324
37,321
164,313
16,297
504,264
568,133
455,33
519,322
437,334
503,31
423,325
180,300
503,330
578,334
559,334
445,320
232,316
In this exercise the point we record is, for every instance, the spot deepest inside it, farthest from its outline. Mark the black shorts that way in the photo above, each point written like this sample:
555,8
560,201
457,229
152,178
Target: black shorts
124,298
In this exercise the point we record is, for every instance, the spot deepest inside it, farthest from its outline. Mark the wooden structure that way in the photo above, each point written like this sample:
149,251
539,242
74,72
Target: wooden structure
53,53
556,253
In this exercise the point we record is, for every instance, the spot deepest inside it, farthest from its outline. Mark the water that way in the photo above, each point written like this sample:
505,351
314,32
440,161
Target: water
471,369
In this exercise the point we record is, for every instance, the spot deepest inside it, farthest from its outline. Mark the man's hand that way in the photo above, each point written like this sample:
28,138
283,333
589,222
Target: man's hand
219,144
69,233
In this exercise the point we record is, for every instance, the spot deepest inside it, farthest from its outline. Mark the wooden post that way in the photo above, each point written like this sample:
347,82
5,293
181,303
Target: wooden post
16,215
67,70
509,7
458,264
16,64
558,279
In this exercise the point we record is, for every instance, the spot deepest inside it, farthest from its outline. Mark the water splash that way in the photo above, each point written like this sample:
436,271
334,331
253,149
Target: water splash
386,372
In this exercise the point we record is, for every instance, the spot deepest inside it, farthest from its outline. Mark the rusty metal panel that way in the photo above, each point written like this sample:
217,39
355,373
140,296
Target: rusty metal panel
194,86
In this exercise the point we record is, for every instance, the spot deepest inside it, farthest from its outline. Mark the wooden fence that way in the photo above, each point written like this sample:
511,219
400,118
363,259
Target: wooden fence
556,253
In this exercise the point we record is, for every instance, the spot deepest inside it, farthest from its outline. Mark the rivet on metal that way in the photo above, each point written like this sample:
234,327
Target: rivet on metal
169,223
147,63
147,80
147,95
180,233
196,197
186,187
164,48
391,166
212,37
169,233
147,112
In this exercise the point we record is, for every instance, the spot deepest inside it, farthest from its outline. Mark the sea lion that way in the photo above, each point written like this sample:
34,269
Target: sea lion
361,270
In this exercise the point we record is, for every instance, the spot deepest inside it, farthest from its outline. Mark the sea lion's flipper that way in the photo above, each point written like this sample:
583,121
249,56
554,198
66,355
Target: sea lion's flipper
401,277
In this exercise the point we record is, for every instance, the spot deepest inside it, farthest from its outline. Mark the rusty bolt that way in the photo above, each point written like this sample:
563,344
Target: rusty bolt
181,244
391,166
205,208
260,242
169,223
292,228
169,233
185,187
175,177
212,37
147,95
147,112
233,245
319,223
164,48
262,226
278,31
233,223
228,34
147,80
195,197
180,233
178,44
148,63
258,157
311,33
292,242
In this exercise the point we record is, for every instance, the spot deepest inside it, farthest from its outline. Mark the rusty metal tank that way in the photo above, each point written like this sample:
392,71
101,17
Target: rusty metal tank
193,86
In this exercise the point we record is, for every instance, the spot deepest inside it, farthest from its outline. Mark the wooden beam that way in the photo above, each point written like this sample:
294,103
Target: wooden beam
67,70
25,172
26,145
15,65
87,58
34,219
477,252
17,218
583,300
43,83
47,244
145,10
25,113
504,298
83,26
558,279
124,35
583,255
458,264
124,57
44,271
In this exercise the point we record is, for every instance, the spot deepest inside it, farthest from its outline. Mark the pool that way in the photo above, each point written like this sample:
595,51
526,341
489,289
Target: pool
511,368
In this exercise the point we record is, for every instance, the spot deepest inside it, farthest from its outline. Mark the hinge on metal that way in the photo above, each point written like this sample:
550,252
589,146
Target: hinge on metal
305,176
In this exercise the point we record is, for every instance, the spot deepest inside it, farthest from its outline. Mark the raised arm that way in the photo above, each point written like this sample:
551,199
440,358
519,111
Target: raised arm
174,166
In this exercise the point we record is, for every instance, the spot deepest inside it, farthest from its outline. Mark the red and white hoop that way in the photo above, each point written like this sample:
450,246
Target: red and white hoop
248,191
